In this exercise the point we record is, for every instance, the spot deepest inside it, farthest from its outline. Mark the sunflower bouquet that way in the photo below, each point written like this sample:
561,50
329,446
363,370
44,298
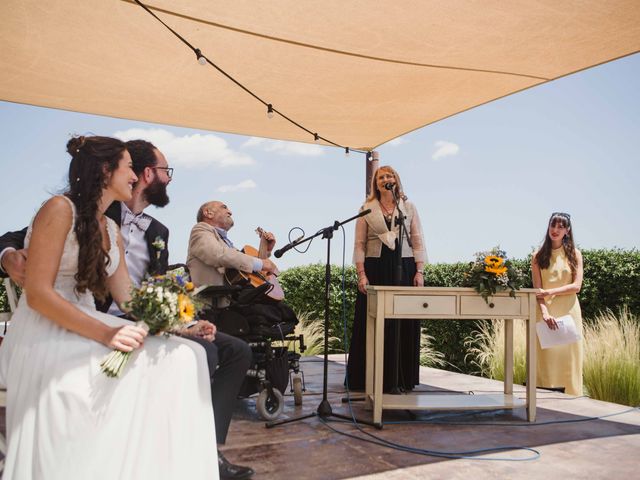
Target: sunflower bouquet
162,304
493,272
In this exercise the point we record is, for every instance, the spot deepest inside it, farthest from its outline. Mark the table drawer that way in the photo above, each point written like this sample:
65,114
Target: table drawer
475,305
424,304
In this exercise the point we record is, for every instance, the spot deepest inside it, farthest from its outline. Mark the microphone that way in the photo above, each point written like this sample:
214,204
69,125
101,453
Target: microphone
278,253
389,186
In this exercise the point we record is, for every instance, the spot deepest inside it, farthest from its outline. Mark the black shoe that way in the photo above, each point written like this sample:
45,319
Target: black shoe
229,470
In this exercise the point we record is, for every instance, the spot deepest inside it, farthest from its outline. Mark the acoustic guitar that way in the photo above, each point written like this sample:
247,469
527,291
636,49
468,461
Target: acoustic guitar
256,279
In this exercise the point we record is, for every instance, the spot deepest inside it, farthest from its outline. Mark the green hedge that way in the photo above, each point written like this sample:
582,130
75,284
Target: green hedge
304,289
611,280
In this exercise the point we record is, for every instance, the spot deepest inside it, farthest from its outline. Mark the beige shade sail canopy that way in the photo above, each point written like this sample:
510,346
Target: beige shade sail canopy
358,73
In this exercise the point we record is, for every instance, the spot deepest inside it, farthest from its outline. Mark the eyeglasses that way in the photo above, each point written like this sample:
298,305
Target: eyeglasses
168,169
561,214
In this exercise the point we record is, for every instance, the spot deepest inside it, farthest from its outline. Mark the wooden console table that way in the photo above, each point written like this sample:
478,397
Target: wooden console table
418,303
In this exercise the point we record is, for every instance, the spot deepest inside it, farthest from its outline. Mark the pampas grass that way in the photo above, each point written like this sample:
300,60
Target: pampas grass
313,331
611,369
611,364
428,356
486,347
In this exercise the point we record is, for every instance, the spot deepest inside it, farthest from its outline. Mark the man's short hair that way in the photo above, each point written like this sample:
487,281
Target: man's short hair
142,155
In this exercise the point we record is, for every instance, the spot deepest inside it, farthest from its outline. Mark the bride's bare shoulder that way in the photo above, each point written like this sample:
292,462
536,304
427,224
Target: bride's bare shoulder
56,210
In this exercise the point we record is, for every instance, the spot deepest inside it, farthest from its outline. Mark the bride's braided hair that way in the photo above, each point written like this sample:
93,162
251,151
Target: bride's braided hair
93,160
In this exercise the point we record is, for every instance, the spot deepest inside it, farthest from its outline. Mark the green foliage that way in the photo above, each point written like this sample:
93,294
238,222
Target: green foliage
4,300
611,280
304,289
4,303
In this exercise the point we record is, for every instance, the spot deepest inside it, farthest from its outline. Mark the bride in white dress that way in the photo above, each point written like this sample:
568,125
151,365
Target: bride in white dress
65,418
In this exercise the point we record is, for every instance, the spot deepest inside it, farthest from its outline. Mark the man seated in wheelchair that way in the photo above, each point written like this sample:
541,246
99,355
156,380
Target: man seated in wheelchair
255,311
212,259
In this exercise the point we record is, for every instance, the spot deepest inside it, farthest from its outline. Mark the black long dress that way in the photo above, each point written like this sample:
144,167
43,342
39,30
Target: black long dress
379,271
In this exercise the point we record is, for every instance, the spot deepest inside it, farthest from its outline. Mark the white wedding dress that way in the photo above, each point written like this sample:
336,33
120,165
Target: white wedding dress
66,420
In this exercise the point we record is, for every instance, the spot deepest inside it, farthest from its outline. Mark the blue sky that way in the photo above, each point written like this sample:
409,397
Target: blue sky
484,177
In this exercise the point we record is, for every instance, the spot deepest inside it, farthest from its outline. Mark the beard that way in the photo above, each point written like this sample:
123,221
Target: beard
156,193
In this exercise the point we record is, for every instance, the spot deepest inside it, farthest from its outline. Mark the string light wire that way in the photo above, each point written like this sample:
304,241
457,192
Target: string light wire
203,60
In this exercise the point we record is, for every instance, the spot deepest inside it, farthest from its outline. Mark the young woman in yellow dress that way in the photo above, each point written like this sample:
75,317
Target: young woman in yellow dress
557,272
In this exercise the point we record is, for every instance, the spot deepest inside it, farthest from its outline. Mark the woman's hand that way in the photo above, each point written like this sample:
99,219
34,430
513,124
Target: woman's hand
418,279
363,281
542,293
550,321
126,338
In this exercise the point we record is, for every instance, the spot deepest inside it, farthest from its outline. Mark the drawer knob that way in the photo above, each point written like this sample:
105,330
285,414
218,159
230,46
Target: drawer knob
491,305
425,305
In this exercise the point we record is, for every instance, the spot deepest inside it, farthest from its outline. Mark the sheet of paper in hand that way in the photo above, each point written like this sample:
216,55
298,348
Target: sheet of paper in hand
566,332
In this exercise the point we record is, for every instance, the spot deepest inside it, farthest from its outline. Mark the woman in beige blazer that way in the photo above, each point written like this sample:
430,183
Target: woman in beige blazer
374,255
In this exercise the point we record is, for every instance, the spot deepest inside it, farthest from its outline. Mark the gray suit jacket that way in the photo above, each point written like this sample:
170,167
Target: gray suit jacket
209,256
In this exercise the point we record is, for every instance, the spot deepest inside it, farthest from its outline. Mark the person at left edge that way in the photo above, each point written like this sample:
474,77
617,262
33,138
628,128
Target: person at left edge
146,251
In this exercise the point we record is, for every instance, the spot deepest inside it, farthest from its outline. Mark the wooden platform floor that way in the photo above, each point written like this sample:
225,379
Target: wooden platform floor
565,441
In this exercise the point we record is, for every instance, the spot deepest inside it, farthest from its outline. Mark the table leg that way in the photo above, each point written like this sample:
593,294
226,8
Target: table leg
531,359
508,356
370,325
378,360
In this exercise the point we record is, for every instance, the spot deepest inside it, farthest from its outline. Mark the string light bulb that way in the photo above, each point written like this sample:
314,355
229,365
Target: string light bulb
316,137
270,111
346,151
201,59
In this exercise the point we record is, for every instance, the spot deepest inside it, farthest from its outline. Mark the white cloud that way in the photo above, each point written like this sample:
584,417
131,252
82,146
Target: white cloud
445,149
189,150
284,148
244,185
396,141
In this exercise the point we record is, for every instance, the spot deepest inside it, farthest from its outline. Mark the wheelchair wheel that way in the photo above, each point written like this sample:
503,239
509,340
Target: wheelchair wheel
270,403
297,390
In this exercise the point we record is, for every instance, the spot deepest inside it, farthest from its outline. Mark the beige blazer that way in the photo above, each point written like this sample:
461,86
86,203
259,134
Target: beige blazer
372,232
208,256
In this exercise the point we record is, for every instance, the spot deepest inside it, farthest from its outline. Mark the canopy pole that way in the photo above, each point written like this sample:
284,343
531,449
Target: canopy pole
372,160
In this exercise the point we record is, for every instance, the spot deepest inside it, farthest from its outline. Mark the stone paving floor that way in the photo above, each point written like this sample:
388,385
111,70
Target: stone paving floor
566,441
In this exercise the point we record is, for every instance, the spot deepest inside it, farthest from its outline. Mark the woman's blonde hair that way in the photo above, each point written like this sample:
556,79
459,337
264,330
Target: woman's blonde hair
375,193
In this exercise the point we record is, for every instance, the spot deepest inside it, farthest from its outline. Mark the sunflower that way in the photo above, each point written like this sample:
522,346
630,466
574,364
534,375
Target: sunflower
497,271
186,308
493,261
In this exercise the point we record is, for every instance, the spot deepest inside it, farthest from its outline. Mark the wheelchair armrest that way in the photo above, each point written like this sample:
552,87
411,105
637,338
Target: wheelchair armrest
216,291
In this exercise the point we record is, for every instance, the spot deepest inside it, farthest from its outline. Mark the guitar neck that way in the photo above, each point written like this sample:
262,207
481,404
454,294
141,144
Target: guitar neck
262,249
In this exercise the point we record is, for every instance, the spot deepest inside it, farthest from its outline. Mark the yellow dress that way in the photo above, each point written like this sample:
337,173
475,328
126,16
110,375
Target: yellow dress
560,366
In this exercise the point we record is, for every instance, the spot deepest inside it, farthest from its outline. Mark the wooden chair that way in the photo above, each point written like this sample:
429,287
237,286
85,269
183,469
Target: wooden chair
5,317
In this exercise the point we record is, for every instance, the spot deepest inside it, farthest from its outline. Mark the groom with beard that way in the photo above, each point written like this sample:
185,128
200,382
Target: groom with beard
145,242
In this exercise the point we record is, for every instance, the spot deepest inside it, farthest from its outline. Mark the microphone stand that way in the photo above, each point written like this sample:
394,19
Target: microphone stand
324,410
397,280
